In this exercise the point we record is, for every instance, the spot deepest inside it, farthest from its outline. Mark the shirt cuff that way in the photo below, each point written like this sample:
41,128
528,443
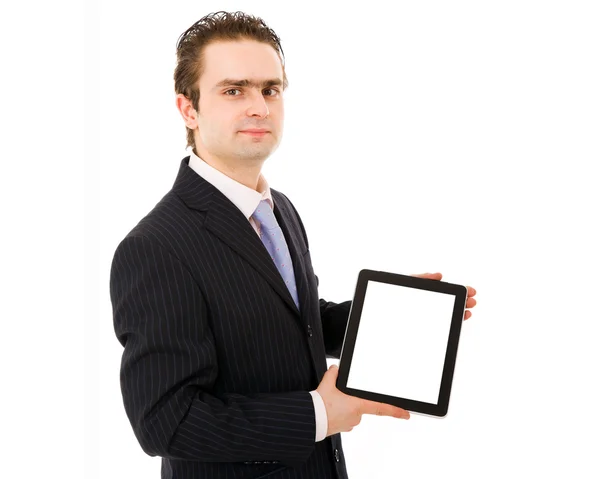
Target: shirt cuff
320,416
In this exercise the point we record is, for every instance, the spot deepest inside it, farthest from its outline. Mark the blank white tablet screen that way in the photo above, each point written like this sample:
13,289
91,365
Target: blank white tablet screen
401,342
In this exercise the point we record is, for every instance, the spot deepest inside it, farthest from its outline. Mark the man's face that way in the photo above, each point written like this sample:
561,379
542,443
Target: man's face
227,108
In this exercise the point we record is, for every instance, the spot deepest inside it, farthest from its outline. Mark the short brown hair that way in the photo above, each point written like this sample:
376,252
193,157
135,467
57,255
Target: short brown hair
218,26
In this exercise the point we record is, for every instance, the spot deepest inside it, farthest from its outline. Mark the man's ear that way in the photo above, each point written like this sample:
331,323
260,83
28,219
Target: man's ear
187,111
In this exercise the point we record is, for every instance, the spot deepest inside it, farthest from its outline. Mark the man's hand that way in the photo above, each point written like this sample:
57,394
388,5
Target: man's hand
470,291
344,411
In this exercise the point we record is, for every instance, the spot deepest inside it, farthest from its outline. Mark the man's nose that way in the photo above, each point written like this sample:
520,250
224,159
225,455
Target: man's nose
258,105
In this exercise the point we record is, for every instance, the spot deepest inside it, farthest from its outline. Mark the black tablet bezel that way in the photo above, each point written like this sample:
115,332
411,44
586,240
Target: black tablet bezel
439,409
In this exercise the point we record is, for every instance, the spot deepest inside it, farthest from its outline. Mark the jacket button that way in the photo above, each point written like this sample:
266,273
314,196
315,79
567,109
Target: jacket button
337,455
310,333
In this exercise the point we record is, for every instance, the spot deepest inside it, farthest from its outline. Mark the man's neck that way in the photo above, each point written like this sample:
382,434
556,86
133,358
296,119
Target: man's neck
247,175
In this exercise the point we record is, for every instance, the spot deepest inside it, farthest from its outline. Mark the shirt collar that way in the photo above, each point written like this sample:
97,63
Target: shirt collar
246,199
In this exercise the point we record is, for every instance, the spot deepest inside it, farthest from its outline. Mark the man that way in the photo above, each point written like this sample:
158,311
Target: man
214,296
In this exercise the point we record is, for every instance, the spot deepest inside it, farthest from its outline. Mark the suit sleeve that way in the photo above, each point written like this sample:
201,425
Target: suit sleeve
334,319
169,366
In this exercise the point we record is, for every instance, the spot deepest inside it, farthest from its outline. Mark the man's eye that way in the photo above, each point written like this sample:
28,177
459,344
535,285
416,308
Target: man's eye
266,89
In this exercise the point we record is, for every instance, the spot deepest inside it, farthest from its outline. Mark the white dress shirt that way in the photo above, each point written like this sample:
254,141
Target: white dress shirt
247,200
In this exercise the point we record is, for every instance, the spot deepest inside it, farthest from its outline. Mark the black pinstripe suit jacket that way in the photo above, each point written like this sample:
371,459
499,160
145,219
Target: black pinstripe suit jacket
218,362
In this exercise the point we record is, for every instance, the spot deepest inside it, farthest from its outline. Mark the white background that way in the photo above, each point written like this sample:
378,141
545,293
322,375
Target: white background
464,134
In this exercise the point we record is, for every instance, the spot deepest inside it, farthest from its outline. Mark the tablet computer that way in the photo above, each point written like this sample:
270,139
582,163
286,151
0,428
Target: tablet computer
401,341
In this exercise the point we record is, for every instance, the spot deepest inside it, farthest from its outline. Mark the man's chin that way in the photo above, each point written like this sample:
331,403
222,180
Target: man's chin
259,153
257,148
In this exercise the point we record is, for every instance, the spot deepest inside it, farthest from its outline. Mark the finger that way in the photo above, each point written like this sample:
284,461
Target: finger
471,302
468,314
420,275
471,291
382,409
434,276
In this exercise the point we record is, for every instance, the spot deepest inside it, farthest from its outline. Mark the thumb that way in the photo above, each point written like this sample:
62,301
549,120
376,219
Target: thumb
332,372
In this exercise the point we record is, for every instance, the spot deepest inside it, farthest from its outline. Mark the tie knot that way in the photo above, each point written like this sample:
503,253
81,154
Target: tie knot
264,215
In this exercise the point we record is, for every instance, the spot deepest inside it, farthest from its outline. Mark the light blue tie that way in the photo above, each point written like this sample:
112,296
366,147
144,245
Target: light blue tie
273,239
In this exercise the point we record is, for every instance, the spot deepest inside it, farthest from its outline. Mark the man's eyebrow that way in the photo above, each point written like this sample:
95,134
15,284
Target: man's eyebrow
245,82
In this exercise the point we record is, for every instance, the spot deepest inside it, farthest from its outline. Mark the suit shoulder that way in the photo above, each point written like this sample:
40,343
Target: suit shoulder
164,224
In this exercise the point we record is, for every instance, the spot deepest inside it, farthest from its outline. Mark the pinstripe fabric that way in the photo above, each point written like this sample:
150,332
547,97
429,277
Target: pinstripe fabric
218,362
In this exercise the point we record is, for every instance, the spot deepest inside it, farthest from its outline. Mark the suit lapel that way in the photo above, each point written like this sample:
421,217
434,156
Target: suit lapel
285,219
226,221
